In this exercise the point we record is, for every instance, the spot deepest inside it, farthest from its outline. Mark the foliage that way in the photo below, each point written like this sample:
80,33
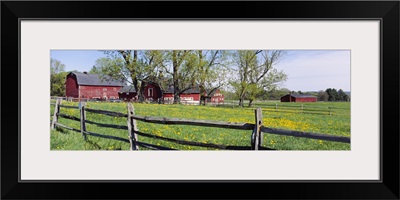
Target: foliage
135,67
255,73
57,78
322,96
335,95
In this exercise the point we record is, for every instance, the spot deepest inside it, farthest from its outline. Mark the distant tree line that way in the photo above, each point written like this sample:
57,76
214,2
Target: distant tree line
331,94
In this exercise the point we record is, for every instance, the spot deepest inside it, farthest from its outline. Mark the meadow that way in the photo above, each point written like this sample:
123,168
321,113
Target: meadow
314,118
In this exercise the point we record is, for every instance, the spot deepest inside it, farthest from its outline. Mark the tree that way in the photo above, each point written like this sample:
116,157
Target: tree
57,78
333,94
211,71
342,95
274,94
322,96
133,66
101,64
255,73
182,66
56,66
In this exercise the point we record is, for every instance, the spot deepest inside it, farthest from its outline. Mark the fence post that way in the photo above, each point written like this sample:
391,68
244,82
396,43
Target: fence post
257,136
132,128
276,107
302,109
56,111
330,110
83,119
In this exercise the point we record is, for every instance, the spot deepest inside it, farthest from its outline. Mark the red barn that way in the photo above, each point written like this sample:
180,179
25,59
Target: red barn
88,86
191,96
215,97
298,98
152,92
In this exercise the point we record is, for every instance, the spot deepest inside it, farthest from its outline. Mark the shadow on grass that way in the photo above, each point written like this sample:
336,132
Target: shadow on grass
61,130
92,144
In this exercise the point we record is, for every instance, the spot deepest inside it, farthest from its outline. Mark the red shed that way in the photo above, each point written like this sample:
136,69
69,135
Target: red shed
152,92
88,86
215,97
127,93
191,96
298,98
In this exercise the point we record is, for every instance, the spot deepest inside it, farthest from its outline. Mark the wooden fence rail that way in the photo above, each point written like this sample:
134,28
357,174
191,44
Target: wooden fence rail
133,132
304,109
178,121
326,137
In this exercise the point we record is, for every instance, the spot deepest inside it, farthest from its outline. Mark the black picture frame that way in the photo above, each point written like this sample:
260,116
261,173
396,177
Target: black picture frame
386,11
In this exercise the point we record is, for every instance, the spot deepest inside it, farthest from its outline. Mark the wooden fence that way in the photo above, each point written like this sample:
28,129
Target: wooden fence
255,143
297,108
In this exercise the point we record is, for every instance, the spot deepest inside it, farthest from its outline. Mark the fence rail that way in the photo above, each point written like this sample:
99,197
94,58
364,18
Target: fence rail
256,141
176,121
287,107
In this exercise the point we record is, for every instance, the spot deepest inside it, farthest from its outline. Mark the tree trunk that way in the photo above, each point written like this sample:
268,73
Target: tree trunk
176,78
250,102
241,101
135,81
141,92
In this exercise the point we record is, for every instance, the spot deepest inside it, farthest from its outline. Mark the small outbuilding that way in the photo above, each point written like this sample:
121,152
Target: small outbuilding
298,98
190,96
127,93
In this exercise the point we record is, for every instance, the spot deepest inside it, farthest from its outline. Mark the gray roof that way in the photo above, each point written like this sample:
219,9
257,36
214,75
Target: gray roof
96,79
302,95
193,90
126,89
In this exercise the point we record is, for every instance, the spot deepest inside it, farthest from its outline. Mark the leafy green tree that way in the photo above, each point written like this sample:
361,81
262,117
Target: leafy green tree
133,66
322,96
255,73
333,94
182,66
342,95
57,78
211,72
104,63
56,66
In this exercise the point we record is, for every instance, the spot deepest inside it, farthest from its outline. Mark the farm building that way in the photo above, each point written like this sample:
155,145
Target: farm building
152,92
88,86
298,98
215,97
127,93
191,96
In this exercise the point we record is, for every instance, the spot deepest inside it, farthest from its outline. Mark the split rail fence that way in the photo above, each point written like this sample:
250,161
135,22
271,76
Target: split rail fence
298,108
255,143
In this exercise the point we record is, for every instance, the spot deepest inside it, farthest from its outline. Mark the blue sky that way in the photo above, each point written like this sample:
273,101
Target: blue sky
316,70
306,70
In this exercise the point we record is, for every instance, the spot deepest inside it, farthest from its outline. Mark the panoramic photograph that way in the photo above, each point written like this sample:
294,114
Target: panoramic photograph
200,100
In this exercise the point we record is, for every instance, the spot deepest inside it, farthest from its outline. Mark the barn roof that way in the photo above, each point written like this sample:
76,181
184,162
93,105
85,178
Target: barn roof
302,96
195,90
126,89
96,79
213,92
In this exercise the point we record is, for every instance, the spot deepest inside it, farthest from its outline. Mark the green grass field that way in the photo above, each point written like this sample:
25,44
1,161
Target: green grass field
314,118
